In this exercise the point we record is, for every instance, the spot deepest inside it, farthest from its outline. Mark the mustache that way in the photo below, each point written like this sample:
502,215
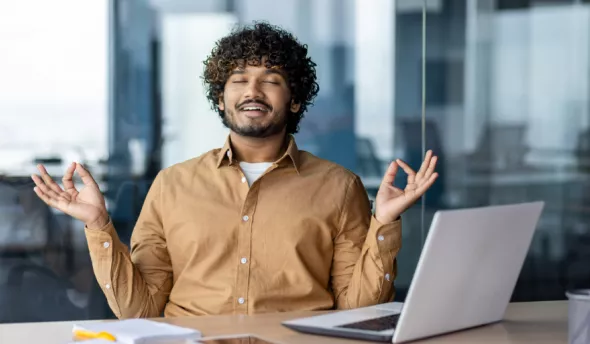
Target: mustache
252,101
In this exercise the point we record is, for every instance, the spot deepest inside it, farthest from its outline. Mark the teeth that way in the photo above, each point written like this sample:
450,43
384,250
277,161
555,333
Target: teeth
253,108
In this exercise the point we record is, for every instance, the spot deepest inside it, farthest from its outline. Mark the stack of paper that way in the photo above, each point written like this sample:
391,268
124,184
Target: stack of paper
134,331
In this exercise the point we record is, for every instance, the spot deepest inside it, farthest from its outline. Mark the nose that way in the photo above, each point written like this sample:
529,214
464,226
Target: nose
253,91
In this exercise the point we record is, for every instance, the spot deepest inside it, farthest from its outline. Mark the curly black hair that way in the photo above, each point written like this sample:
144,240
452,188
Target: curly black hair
250,44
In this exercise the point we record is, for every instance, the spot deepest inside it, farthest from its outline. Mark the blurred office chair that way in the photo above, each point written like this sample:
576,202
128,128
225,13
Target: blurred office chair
128,197
36,257
502,148
34,293
368,164
24,218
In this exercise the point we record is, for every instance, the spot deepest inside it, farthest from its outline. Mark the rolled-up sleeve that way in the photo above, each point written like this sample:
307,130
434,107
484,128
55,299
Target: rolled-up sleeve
364,264
136,283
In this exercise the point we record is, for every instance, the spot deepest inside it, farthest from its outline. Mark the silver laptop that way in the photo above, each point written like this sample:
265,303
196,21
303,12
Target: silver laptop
465,277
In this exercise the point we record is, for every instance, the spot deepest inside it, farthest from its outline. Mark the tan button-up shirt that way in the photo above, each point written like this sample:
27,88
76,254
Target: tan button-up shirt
301,237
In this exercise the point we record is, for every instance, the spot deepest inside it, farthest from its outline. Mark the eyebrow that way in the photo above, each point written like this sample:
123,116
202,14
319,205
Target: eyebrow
274,71
268,71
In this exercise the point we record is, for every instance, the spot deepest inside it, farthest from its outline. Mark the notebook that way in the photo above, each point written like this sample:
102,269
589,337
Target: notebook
140,331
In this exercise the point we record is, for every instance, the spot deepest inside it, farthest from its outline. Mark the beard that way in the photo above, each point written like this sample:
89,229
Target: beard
254,129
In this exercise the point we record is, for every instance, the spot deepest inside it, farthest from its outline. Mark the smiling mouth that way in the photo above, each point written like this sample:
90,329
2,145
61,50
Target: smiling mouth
254,110
250,108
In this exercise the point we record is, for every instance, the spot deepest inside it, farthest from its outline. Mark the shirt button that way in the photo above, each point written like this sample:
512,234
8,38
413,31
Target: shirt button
243,179
241,301
380,238
106,244
245,218
387,277
244,260
108,286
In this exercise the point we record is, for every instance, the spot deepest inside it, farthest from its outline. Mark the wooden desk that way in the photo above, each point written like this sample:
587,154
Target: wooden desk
536,322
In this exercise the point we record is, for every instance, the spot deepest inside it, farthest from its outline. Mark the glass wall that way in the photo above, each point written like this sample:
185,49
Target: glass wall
500,90
514,101
53,110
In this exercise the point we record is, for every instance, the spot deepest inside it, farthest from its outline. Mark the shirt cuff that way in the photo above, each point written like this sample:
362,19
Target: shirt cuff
109,225
100,240
385,237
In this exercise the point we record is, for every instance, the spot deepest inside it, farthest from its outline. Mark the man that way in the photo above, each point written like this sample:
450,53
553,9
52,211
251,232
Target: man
258,225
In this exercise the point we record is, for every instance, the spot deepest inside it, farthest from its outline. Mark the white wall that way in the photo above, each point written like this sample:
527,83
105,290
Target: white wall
191,127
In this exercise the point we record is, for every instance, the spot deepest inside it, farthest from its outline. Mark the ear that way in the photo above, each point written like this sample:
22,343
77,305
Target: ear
295,106
220,104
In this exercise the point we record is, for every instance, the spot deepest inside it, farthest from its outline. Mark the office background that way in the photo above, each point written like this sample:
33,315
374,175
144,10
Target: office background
499,89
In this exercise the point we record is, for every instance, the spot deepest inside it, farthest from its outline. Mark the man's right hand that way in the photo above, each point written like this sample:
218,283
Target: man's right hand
86,205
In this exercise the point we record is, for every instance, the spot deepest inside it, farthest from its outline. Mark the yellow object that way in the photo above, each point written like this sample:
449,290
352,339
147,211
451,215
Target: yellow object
85,335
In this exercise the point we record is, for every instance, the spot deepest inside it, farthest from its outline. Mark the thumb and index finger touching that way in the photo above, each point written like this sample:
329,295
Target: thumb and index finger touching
86,177
68,177
426,170
75,167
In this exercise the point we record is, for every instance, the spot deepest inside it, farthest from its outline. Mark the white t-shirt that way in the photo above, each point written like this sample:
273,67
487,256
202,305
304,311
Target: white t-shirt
253,171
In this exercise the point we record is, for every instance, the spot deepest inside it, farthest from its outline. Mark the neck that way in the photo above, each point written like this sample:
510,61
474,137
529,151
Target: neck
253,149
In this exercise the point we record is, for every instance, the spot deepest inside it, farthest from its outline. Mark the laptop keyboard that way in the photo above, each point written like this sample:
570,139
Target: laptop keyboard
376,324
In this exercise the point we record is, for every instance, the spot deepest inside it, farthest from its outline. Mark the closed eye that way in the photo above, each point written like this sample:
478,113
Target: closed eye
272,82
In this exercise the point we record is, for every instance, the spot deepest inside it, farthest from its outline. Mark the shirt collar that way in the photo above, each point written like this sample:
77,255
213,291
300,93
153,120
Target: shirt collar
292,153
225,154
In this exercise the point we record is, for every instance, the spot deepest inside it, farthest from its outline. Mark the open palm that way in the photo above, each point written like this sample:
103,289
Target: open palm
391,201
86,205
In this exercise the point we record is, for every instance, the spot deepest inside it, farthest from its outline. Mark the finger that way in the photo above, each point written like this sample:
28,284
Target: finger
424,186
38,181
431,168
389,177
46,189
411,174
425,164
48,180
68,178
85,175
43,196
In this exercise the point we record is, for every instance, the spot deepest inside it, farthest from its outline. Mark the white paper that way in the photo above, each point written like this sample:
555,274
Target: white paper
140,331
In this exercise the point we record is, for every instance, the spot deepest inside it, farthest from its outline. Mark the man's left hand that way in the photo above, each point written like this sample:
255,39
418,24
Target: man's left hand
391,201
